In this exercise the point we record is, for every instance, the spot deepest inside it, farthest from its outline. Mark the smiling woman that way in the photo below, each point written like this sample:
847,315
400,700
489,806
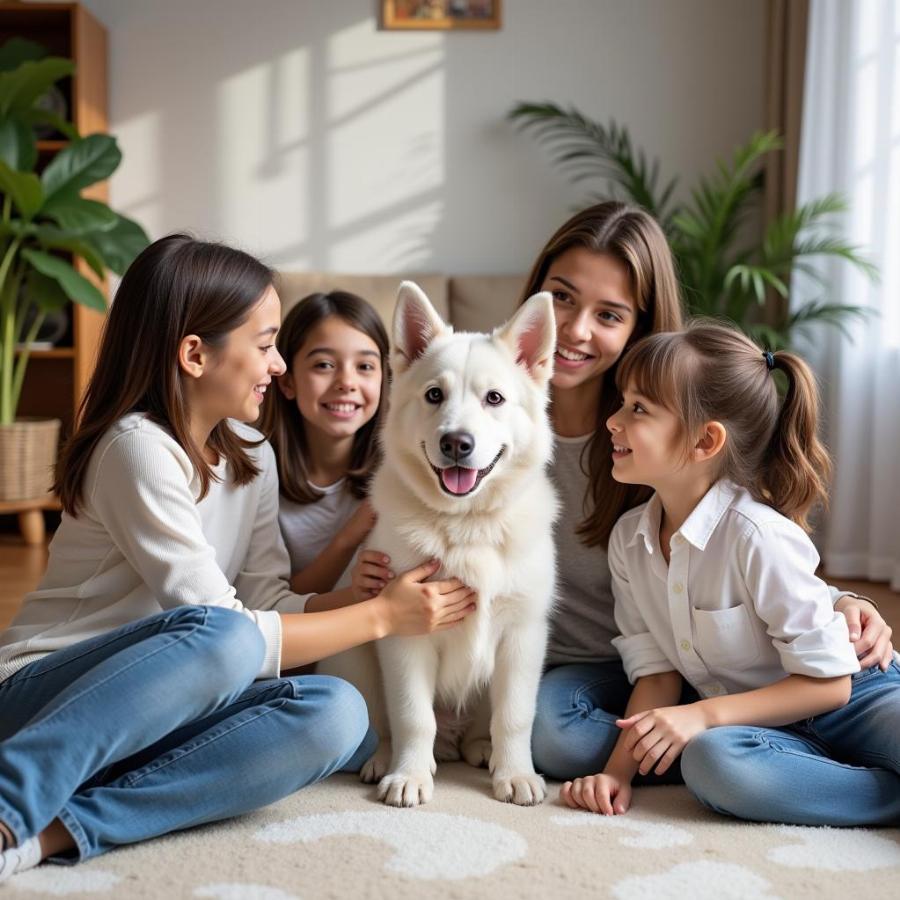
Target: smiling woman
164,618
613,281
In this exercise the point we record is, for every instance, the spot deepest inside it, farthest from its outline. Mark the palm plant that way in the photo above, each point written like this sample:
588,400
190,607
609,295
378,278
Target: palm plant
723,274
44,220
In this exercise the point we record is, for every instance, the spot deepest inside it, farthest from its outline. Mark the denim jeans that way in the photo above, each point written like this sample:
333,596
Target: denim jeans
159,725
575,723
839,768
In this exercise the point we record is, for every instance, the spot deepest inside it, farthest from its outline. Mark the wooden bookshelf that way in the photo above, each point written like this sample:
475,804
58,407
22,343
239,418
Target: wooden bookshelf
56,378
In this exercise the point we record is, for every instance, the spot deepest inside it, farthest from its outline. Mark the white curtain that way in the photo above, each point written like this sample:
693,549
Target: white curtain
851,143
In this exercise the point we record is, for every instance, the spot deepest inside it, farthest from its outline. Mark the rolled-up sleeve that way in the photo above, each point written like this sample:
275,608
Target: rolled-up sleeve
779,563
640,652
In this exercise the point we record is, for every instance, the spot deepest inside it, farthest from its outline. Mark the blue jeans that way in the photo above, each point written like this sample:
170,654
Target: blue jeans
575,723
840,768
159,725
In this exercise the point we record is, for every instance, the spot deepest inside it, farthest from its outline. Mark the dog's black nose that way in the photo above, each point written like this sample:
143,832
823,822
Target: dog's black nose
457,445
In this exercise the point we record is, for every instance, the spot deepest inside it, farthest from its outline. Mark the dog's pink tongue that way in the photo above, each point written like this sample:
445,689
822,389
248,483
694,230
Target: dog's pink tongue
459,480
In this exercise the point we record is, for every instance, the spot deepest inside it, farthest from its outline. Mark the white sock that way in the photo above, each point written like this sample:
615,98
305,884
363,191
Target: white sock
17,859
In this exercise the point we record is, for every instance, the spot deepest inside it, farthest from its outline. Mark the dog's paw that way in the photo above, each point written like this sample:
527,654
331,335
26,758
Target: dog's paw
377,765
523,790
406,788
477,752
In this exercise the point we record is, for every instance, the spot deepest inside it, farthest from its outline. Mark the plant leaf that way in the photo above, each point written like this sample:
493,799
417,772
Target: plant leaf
45,292
78,215
121,244
23,188
591,150
18,50
81,164
77,287
17,145
54,239
45,117
24,84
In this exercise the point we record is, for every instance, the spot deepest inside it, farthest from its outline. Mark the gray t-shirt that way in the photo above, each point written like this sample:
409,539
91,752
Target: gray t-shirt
582,625
308,528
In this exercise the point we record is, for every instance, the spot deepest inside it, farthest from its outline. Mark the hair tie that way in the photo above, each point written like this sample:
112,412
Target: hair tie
770,359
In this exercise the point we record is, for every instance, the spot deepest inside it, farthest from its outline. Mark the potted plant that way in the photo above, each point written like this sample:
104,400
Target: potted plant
724,272
44,224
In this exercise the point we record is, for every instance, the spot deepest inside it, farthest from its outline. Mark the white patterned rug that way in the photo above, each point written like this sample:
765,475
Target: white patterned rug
336,841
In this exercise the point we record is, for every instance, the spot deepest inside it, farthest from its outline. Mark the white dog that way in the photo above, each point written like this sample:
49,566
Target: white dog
466,442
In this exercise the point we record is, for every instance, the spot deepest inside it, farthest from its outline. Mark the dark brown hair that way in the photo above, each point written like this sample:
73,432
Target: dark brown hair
634,238
712,372
177,286
282,422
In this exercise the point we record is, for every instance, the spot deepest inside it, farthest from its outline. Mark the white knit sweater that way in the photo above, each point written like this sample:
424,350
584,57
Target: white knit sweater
141,543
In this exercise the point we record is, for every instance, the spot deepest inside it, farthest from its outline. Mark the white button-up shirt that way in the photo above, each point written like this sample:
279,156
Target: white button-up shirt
737,607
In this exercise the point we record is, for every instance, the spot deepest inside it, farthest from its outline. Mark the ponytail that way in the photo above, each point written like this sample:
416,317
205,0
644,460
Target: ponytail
712,372
797,466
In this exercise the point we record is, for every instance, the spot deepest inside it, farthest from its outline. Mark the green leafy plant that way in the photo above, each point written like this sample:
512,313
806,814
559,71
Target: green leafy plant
45,222
723,272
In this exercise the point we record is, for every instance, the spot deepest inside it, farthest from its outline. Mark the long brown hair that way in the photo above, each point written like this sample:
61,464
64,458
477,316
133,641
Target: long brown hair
281,420
712,372
634,238
177,286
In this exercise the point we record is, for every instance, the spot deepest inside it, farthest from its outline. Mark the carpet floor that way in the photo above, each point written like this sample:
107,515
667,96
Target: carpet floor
334,840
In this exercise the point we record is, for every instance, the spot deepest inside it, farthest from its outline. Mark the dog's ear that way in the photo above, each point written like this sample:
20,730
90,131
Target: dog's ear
531,335
416,325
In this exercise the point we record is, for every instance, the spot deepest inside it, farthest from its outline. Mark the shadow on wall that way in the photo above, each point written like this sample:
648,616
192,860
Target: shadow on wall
253,134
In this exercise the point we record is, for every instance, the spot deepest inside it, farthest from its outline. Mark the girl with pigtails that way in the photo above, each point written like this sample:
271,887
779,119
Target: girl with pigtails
740,664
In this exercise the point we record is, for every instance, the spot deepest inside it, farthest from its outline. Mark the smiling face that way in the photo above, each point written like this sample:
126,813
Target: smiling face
234,384
647,442
335,378
467,418
596,313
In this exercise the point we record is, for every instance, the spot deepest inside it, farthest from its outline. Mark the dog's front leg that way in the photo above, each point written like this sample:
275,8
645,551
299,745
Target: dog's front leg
514,689
409,667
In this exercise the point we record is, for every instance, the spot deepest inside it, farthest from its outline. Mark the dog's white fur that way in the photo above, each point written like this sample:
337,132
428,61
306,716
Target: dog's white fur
497,539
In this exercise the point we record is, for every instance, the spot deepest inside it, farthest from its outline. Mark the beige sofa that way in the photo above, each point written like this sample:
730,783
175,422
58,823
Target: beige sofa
468,302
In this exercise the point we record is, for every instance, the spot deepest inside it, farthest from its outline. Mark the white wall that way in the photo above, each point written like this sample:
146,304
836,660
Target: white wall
299,131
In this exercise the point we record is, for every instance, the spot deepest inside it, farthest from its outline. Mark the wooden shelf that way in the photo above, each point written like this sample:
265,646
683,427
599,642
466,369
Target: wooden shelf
56,378
54,353
51,145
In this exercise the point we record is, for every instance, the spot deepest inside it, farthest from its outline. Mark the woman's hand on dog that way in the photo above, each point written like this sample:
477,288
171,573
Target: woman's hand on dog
370,574
411,606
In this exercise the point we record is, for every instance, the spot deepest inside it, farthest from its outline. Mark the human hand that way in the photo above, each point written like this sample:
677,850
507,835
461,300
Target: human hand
869,633
607,793
413,606
656,737
370,574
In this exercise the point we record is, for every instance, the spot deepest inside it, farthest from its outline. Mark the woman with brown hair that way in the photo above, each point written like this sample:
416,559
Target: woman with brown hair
613,281
140,687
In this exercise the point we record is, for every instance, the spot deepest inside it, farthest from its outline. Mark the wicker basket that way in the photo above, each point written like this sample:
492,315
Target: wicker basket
27,457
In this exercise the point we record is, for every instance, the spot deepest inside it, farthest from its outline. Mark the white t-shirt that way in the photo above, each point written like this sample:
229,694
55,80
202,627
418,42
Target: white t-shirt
308,528
738,605
582,627
141,544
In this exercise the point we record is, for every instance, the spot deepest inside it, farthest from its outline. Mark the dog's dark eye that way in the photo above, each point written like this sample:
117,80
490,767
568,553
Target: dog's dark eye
494,398
434,395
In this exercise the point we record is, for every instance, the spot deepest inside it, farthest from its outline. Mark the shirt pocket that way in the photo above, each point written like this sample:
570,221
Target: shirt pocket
725,638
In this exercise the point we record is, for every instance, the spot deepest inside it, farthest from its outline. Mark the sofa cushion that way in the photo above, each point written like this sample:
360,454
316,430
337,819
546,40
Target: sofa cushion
482,302
379,290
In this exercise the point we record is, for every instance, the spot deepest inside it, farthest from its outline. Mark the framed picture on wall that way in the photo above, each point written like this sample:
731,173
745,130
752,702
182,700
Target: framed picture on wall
441,14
